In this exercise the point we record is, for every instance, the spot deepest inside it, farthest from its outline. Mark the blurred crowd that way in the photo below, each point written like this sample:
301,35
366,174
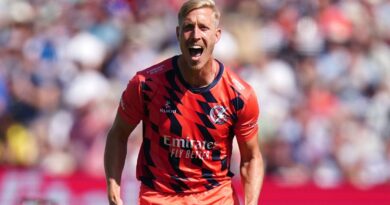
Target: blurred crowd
321,70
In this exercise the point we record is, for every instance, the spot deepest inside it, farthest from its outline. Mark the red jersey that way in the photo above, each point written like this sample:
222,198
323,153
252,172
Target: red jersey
187,132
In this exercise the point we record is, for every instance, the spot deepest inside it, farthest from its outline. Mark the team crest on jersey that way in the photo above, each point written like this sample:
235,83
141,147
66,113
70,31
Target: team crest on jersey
219,115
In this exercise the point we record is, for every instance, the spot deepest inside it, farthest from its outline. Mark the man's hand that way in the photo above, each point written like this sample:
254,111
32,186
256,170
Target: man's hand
252,170
113,190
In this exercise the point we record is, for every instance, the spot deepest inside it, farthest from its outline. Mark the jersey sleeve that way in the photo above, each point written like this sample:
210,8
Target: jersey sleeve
130,106
246,126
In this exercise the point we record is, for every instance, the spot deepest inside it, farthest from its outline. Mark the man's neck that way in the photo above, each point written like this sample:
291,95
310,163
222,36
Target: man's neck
201,77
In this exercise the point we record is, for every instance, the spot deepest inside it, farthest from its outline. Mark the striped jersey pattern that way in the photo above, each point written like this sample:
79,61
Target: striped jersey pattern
187,132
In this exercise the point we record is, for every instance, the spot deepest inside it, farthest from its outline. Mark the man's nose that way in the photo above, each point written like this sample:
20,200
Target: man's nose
196,33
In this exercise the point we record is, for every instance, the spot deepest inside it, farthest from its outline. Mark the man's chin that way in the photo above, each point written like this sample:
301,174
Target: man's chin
196,65
193,62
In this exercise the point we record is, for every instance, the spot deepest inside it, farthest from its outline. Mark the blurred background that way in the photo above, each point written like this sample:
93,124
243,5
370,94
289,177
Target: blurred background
321,70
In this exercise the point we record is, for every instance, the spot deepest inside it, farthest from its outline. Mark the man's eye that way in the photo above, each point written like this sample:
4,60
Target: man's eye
204,28
188,27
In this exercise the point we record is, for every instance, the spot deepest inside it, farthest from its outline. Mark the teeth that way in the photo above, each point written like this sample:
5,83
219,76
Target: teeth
196,47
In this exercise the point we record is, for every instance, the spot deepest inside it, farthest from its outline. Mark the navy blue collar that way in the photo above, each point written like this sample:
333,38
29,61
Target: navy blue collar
195,89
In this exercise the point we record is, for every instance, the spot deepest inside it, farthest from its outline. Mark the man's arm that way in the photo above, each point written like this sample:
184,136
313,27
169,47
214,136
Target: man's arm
251,169
114,157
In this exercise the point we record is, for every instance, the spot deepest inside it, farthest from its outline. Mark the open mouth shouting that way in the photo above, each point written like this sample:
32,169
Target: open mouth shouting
195,52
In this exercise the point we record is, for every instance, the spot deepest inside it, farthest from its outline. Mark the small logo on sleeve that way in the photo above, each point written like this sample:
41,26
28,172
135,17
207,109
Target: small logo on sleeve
238,84
155,70
122,104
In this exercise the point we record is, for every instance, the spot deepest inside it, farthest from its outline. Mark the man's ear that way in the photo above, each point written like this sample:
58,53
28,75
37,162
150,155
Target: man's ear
218,34
177,32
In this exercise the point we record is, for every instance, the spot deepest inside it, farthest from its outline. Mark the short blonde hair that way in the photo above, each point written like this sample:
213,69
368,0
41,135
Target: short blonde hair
190,5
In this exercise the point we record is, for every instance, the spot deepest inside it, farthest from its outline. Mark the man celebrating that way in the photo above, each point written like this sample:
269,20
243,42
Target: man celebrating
191,108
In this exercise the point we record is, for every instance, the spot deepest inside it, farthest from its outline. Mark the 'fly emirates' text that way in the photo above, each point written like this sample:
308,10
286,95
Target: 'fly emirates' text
189,148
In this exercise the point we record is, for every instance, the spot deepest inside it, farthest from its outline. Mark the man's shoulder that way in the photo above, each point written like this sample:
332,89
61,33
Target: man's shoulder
157,69
237,83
